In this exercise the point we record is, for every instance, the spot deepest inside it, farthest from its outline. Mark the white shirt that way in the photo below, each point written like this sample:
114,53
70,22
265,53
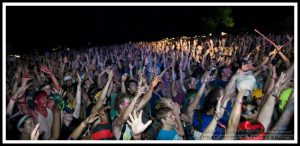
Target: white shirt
45,123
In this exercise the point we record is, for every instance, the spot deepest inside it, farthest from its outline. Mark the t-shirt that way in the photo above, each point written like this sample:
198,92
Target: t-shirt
179,97
219,83
155,97
203,123
168,135
45,123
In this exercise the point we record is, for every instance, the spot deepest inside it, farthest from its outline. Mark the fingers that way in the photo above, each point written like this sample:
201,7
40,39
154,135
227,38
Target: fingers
134,114
148,123
131,118
129,123
35,132
140,114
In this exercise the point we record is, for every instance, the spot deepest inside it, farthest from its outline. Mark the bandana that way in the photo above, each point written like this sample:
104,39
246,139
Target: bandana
251,131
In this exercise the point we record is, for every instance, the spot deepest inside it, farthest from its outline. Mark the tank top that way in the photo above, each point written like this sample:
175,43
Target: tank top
45,123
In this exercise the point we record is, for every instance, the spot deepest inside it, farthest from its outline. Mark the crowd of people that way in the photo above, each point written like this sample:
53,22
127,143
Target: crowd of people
189,88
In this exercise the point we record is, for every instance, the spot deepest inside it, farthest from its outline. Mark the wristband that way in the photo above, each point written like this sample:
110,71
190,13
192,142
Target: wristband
13,99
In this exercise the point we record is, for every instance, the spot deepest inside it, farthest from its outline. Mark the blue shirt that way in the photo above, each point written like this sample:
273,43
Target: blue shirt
168,135
203,124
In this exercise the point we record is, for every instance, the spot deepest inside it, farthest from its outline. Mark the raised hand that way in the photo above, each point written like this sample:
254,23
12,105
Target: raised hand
110,72
176,109
91,118
35,132
219,106
273,52
65,60
141,90
20,92
155,81
131,66
45,69
146,60
124,77
79,79
25,80
136,123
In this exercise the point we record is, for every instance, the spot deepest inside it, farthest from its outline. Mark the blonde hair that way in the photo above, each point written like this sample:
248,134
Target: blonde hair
162,103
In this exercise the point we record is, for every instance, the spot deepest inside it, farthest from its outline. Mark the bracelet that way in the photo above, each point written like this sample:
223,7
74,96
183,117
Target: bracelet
13,99
22,102
83,124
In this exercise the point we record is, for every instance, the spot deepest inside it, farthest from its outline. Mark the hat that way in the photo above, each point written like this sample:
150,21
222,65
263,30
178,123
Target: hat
257,93
246,82
284,97
67,78
251,130
102,131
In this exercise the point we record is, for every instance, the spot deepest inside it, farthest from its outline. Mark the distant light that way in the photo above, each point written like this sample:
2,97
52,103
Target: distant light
203,36
68,49
54,49
129,42
223,33
17,56
11,55
210,34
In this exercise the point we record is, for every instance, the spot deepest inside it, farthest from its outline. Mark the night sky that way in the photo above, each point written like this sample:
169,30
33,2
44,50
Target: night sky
44,27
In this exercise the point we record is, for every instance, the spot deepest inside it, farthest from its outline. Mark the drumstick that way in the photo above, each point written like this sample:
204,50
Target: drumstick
266,38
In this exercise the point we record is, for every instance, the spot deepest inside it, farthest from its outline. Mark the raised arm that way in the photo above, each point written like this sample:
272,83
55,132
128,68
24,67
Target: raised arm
138,127
193,105
90,119
45,69
146,98
265,114
17,96
174,92
104,91
285,59
123,88
283,121
210,130
235,116
76,112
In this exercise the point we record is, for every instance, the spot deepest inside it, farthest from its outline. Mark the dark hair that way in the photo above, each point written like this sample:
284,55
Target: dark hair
44,85
120,98
220,71
93,90
13,122
131,81
211,99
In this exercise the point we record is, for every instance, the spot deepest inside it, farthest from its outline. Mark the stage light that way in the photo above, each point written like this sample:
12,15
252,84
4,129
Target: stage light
223,33
210,34
17,56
